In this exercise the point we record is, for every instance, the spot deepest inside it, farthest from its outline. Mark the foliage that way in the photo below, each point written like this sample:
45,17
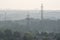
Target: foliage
28,36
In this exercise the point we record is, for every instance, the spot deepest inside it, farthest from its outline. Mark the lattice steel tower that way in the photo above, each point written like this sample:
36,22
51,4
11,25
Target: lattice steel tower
28,22
42,22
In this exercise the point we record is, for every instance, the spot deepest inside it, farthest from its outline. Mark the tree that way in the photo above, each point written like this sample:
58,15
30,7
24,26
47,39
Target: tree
8,34
1,35
16,36
28,36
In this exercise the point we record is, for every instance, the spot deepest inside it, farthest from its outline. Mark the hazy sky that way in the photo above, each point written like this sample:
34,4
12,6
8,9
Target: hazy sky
29,4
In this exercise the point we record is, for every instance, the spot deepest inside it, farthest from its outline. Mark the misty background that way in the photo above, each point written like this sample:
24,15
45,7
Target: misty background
21,14
16,20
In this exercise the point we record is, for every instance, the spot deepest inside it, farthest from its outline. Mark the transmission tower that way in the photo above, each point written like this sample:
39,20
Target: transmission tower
41,11
5,17
42,24
28,22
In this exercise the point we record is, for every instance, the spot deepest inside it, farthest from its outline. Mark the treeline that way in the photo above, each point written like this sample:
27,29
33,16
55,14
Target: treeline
15,35
34,24
9,35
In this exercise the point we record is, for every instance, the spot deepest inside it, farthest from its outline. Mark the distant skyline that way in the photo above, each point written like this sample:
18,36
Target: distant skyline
29,4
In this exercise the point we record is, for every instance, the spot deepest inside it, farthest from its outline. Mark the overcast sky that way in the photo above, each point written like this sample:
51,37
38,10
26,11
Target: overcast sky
29,4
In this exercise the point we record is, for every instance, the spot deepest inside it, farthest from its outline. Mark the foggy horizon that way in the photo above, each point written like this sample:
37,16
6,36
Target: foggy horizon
22,14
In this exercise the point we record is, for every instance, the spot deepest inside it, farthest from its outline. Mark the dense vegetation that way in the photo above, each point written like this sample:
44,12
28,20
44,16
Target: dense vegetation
18,30
15,35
